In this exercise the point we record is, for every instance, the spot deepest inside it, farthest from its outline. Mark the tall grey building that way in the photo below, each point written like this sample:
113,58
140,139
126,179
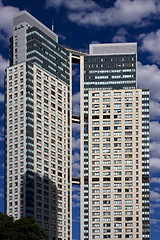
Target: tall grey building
38,128
114,122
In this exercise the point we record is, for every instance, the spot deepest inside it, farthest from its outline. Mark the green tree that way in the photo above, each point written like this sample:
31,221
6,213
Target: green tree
6,227
22,229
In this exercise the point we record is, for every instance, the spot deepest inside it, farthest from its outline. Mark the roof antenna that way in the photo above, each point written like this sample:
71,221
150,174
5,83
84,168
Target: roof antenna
52,25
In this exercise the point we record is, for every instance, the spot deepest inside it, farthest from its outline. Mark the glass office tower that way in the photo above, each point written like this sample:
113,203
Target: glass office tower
38,128
114,145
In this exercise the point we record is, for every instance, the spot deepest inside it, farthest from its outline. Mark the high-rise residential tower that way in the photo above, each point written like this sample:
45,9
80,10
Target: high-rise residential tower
114,122
114,145
38,128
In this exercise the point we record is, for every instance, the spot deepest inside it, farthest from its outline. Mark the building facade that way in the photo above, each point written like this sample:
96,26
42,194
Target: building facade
114,122
38,128
114,145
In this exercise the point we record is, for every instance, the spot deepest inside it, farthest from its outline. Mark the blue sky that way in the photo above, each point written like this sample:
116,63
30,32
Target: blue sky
79,23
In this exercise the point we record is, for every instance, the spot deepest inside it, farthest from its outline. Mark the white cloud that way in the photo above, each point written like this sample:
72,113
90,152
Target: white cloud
76,164
149,77
120,36
75,169
72,4
155,180
76,188
76,197
154,110
155,196
61,36
155,131
126,12
156,230
75,143
155,164
155,221
76,73
76,219
76,103
6,21
1,97
76,157
154,146
76,129
3,64
150,43
95,42
76,97
155,149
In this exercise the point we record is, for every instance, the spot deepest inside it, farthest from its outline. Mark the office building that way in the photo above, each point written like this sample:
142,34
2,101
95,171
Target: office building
114,145
114,122
38,128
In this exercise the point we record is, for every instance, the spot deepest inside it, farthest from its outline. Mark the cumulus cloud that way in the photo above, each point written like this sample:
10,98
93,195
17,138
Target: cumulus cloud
61,36
155,196
126,12
76,196
1,97
154,110
149,77
154,206
95,42
75,129
75,73
150,44
155,149
154,146
155,180
75,143
72,4
3,64
76,164
155,164
2,117
75,219
120,36
76,188
155,221
6,21
76,103
155,131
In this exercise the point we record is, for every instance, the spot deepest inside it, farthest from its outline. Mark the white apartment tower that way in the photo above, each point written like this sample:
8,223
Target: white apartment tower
114,122
114,145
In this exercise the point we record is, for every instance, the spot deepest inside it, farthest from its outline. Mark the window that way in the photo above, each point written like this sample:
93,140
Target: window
95,94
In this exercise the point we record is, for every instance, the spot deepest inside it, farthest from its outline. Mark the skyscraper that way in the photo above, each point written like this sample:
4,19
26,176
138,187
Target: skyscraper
114,122
38,128
114,145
